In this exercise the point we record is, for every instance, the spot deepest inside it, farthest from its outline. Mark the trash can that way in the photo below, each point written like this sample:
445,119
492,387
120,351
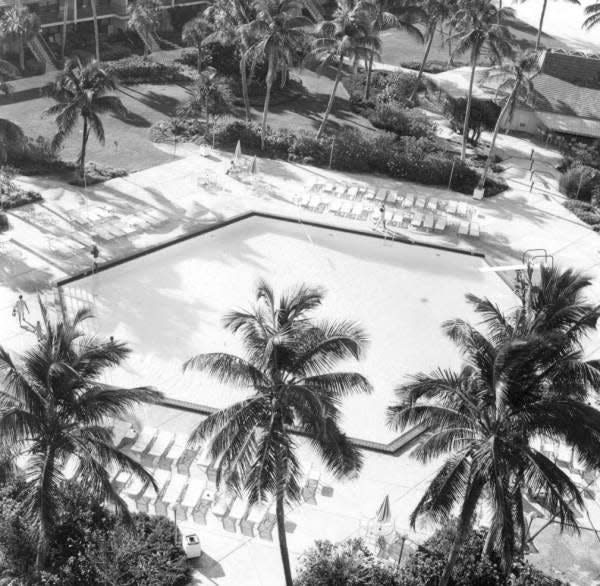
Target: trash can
191,545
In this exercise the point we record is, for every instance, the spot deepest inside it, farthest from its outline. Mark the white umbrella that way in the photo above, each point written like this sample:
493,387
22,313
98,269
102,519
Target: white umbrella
238,152
254,166
382,525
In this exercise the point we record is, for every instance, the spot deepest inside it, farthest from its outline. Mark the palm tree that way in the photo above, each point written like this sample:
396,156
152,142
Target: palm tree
54,409
7,72
592,13
515,79
436,13
193,34
524,377
82,91
288,370
347,37
385,15
210,94
144,19
96,32
278,36
476,28
541,24
20,25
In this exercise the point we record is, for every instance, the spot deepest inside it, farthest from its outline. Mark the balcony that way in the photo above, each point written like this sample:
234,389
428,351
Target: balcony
54,12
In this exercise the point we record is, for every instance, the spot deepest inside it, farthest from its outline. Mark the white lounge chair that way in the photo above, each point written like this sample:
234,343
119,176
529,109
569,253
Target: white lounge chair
440,224
159,447
389,214
166,504
346,208
396,219
370,194
315,203
335,206
381,194
253,518
420,203
417,220
193,492
463,229
432,204
202,462
392,198
352,192
236,513
328,187
428,222
175,452
409,201
143,442
462,209
357,210
161,477
474,230
340,190
451,207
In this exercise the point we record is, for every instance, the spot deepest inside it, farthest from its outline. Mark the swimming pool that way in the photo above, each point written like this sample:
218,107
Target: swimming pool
168,304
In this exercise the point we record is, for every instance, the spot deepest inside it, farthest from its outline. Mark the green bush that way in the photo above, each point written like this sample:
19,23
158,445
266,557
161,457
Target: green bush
579,181
11,195
349,563
4,225
139,70
425,566
398,87
401,121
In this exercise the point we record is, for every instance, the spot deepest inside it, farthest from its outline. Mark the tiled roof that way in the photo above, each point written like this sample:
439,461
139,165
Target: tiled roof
576,69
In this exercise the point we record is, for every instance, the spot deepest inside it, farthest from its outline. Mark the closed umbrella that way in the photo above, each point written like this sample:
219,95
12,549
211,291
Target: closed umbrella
254,167
382,525
238,152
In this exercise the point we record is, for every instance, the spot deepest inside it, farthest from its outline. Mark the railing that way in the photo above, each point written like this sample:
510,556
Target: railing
52,13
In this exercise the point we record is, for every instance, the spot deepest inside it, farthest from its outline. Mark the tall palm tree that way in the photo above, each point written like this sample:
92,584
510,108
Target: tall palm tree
54,409
278,33
210,94
387,14
144,19
524,377
82,91
436,13
541,23
21,25
515,80
592,13
288,370
193,33
476,29
343,38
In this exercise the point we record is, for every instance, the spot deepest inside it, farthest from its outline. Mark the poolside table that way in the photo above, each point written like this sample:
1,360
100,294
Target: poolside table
159,447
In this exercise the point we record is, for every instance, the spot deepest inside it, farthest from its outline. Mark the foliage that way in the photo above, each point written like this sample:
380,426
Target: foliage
11,195
210,95
575,152
19,24
349,563
523,376
144,18
136,69
399,85
401,121
579,182
425,566
66,420
484,113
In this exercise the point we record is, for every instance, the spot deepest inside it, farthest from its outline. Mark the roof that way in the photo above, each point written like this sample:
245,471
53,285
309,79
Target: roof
569,124
576,69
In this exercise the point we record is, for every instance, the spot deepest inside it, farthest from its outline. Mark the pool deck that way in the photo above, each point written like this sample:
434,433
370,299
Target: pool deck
511,223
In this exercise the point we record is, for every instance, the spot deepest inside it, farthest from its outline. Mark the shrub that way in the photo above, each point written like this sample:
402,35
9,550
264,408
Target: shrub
401,121
575,153
398,87
139,70
578,182
586,212
349,563
11,195
425,566
4,225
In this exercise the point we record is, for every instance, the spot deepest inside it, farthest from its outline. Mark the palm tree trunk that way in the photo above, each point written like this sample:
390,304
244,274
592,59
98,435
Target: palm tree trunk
21,53
199,60
96,33
84,140
64,29
338,76
270,76
539,35
488,163
499,11
244,73
421,69
463,151
283,548
369,75
206,107
44,493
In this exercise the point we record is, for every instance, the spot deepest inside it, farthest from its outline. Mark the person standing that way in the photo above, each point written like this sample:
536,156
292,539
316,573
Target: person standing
38,331
95,255
20,308
382,215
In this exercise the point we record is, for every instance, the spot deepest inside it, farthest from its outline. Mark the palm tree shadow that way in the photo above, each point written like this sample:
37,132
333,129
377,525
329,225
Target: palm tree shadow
208,566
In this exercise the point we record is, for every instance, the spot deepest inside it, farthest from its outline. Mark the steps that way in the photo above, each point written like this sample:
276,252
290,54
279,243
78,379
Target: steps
42,53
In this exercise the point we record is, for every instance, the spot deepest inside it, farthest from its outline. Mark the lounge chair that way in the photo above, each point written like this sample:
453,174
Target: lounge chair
474,230
451,207
121,479
135,488
409,201
346,208
357,210
463,229
254,517
428,222
190,499
314,203
392,198
173,454
396,219
370,194
352,192
335,206
420,203
309,491
417,220
161,444
340,190
142,443
161,477
265,528
171,497
223,502
440,224
462,209
328,187
236,513
381,194
432,204
305,200
202,462
184,462
388,215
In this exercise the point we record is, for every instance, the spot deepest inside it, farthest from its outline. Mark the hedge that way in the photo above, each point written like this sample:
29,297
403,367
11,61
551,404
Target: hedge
140,70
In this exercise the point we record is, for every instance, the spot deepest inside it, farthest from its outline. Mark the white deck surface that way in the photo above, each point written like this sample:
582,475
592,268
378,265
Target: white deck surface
168,305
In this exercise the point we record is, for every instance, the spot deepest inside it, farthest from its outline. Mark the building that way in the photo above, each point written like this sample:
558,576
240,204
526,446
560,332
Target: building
566,99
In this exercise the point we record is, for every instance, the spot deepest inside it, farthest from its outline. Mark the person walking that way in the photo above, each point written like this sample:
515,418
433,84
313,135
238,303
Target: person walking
20,308
95,255
38,331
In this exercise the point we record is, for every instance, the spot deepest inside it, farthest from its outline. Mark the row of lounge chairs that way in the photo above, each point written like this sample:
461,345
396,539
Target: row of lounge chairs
187,486
392,198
